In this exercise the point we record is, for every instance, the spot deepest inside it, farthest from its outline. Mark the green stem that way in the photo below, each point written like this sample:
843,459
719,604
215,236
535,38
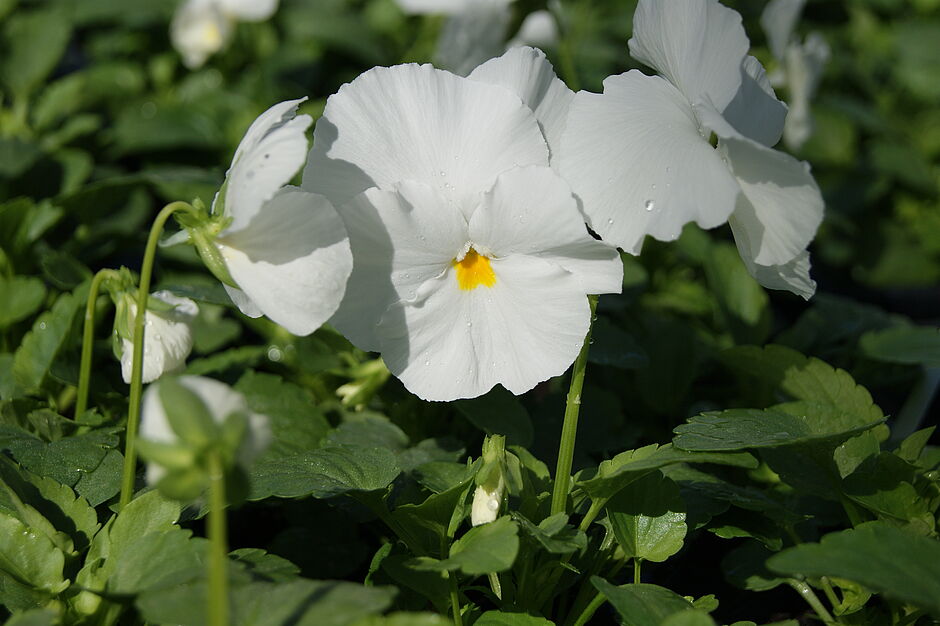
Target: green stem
218,545
137,362
830,593
810,596
636,571
569,430
590,609
596,507
88,337
455,598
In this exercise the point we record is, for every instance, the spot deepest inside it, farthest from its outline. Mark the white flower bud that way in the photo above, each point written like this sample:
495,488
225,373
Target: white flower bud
168,337
486,504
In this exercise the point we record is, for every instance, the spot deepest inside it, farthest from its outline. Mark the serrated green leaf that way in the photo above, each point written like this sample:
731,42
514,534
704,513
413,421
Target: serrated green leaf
155,560
553,533
33,359
617,473
499,413
904,344
884,485
323,473
30,558
149,512
408,572
648,518
877,555
642,605
297,425
485,549
20,297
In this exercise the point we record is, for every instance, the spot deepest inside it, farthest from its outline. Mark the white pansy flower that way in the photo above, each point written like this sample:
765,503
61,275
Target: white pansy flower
281,251
538,29
800,65
471,259
640,159
200,28
221,401
168,337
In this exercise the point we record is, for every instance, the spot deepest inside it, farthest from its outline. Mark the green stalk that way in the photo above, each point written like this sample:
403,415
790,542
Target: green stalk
137,363
636,571
88,337
495,585
455,598
807,593
590,609
569,430
218,545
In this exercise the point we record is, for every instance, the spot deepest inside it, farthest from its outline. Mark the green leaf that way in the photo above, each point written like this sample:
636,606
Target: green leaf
407,619
36,41
746,567
618,472
20,297
642,605
369,431
156,559
484,549
148,513
431,522
884,484
692,617
499,413
499,618
264,566
323,473
187,414
904,344
30,558
33,359
297,425
553,534
879,556
612,346
34,617
648,518
742,301
411,573
745,429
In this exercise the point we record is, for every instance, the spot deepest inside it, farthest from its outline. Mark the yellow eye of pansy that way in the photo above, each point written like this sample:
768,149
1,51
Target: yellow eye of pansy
474,270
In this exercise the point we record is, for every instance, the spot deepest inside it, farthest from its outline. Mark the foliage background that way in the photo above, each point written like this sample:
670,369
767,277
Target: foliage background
100,125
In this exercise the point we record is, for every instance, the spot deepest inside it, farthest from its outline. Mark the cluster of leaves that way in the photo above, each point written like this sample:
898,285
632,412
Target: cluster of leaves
725,432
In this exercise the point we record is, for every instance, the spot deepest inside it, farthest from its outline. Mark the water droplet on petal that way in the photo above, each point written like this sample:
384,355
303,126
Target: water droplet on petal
610,220
650,205
493,504
443,173
42,326
653,186
469,323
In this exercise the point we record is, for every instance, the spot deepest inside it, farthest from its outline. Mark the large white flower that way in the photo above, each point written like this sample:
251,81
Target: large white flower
286,249
471,259
800,65
168,337
639,155
221,401
200,28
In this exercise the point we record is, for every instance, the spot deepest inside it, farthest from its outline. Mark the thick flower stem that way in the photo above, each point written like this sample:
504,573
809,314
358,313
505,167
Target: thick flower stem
137,362
88,337
218,609
569,430
455,598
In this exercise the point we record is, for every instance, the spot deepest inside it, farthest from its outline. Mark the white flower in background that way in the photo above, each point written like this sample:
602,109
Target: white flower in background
280,251
477,30
200,28
221,400
640,159
471,259
168,337
800,65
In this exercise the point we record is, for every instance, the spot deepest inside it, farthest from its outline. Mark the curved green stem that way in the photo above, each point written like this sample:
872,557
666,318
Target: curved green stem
590,609
137,362
88,337
218,545
569,430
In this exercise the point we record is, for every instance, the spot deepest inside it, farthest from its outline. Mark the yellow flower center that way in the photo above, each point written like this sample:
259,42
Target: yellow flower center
474,270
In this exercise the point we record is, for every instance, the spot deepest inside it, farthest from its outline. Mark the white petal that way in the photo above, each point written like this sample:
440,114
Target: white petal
249,10
436,6
527,73
245,304
778,21
755,111
804,64
781,206
400,239
472,36
531,211
792,276
697,44
539,28
273,149
412,122
199,30
292,259
168,338
452,343
637,159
